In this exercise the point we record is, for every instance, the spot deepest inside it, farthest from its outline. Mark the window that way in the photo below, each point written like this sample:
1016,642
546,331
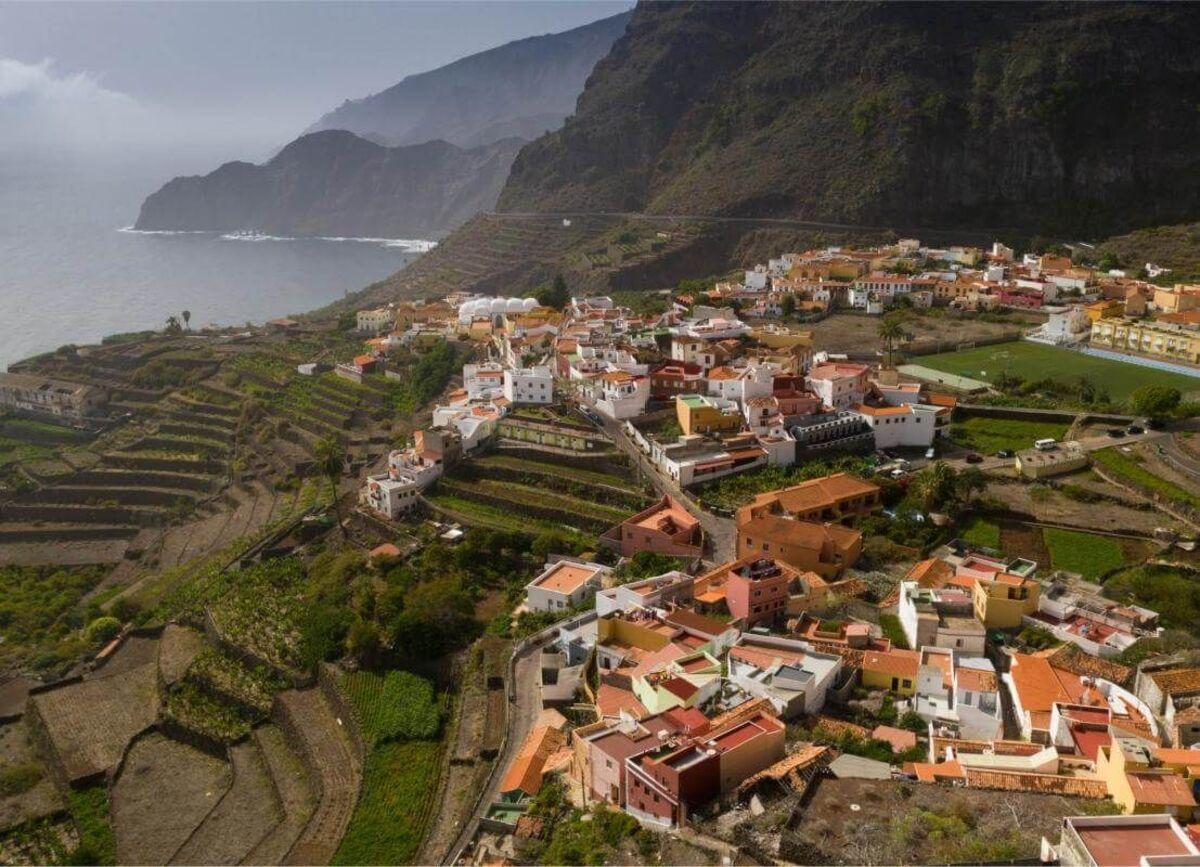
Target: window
907,683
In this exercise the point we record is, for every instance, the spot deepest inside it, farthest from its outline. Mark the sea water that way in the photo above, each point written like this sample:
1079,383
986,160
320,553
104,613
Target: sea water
72,270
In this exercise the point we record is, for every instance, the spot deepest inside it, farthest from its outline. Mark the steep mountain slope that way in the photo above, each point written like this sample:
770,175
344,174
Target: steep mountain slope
520,89
336,183
1034,116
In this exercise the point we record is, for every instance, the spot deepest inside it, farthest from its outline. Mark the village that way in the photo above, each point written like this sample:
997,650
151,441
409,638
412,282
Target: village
836,559
762,663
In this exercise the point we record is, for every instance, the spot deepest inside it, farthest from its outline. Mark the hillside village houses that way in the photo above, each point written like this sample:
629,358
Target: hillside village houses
695,673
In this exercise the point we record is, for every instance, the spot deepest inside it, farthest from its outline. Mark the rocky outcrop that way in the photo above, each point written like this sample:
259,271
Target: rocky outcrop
337,184
521,90
1043,117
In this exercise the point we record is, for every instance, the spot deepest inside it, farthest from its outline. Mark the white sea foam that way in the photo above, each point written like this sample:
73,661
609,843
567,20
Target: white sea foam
130,230
408,245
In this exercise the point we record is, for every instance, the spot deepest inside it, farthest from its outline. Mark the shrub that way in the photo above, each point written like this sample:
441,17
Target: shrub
102,630
19,777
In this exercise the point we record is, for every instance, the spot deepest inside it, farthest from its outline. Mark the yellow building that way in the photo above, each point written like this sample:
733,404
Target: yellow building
1158,339
700,414
1003,601
894,670
1104,309
1139,781
1179,299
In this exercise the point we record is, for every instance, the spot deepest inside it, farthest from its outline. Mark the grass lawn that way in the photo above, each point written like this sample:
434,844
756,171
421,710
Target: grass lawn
982,532
1124,466
388,824
1091,556
989,435
1033,361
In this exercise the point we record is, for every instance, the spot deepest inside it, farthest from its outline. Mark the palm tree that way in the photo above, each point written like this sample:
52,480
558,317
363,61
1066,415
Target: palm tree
331,459
969,483
891,331
187,318
934,485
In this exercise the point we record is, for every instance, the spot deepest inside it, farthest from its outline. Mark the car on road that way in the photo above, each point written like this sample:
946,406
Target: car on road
1005,453
973,458
1135,429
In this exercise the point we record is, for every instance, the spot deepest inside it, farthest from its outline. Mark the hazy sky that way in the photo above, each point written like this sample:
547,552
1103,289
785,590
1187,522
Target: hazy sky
252,74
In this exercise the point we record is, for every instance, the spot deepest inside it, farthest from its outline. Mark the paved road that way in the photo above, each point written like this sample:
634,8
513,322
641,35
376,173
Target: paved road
1090,444
522,712
721,532
984,237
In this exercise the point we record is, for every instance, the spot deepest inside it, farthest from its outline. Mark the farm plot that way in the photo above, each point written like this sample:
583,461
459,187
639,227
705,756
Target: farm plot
225,676
163,793
393,706
1090,555
262,612
543,468
989,435
1129,468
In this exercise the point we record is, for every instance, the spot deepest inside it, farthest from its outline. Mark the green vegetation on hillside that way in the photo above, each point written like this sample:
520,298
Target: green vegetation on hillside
40,611
981,532
1174,593
1086,553
989,435
392,706
1176,247
1126,467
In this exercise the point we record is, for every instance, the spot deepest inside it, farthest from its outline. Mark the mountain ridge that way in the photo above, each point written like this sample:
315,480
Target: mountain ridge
337,183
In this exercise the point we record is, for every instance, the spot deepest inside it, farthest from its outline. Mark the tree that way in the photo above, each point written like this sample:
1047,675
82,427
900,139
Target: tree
934,485
891,331
1155,401
187,319
787,307
555,295
969,483
173,326
331,459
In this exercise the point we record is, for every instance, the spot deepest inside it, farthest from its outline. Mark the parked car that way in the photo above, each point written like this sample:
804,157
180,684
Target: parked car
1135,429
974,458
1004,453
1116,433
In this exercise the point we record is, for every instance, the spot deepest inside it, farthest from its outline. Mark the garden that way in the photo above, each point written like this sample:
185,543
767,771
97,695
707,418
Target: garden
400,719
990,435
1128,468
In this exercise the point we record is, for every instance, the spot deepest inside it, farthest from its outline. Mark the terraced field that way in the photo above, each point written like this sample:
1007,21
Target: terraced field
537,490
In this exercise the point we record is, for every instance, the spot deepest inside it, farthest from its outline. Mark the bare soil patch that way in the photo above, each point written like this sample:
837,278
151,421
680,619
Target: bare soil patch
90,723
178,647
164,792
1048,504
847,332
295,795
244,817
1023,540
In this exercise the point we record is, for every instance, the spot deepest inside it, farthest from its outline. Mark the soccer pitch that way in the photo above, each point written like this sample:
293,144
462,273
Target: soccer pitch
1034,361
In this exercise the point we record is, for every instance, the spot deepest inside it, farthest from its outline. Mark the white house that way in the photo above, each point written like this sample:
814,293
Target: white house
839,385
529,385
483,381
564,584
622,395
961,694
912,425
783,671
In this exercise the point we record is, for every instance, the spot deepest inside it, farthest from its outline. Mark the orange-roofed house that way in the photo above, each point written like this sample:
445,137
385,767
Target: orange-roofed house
523,779
894,670
563,585
839,385
1139,782
1173,693
667,528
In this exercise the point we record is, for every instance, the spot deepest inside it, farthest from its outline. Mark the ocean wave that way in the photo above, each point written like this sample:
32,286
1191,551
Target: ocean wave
408,245
130,230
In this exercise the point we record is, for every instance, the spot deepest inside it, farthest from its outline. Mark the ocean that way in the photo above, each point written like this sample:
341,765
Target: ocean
71,271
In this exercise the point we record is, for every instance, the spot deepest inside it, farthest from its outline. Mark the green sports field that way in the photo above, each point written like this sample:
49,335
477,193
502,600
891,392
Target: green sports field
1033,361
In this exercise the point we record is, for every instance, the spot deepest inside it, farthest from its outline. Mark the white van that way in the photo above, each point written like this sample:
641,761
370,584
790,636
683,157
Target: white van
1045,445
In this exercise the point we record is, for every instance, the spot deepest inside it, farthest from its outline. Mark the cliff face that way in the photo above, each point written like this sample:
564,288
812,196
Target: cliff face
520,89
1032,116
335,183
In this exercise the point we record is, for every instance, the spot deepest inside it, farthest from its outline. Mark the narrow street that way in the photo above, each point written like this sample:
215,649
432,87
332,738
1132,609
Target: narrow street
721,532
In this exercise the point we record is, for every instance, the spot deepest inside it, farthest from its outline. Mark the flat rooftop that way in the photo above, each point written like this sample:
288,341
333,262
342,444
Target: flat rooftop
565,577
1119,844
